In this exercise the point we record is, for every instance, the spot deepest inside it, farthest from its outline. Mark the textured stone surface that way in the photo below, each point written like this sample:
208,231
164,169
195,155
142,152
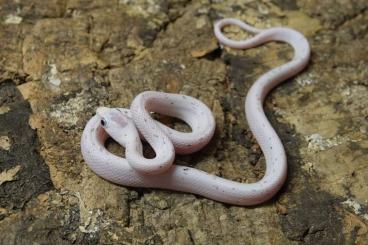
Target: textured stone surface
61,59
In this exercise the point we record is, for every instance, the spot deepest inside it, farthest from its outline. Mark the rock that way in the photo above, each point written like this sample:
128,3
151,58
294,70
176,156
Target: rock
62,59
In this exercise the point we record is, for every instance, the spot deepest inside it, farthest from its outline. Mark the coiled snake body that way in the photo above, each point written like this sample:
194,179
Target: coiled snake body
128,126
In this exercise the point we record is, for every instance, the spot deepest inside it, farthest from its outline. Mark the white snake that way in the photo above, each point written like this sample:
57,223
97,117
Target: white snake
127,126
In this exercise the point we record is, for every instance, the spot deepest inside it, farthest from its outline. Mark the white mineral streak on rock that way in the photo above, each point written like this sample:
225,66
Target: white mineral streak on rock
9,175
356,207
13,19
317,143
53,77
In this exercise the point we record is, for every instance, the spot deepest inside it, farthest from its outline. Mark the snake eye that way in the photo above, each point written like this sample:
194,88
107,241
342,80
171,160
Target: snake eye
103,122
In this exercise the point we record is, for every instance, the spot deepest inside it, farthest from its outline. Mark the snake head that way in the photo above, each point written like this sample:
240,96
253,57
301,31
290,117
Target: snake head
112,118
117,124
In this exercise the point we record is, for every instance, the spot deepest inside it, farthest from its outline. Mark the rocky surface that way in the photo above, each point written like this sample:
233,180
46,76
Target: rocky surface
61,59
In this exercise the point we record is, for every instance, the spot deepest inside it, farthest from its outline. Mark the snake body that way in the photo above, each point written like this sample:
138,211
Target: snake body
127,126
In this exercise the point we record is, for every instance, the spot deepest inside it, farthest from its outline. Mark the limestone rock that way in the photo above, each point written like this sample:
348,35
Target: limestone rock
61,59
